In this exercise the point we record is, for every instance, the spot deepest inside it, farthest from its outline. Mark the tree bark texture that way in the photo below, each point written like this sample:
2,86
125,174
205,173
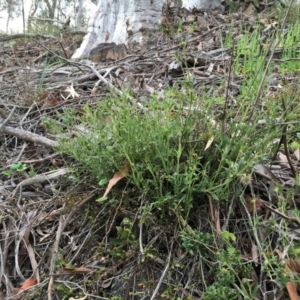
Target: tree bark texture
122,22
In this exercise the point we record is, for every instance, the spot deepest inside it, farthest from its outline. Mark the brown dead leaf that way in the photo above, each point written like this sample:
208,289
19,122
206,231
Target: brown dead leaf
290,286
255,254
43,95
27,284
294,265
50,101
215,215
200,47
209,142
250,10
283,159
117,177
279,253
149,88
252,204
93,93
297,153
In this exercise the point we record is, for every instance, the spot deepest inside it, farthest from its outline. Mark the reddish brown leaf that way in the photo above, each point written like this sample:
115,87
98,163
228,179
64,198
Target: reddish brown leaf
294,265
27,284
117,177
290,286
252,204
50,101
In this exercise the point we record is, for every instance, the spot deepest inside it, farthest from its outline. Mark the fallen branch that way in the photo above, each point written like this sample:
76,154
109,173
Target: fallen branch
5,38
28,136
39,178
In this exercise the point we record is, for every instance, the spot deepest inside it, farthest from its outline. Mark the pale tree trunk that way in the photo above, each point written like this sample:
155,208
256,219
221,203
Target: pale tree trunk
33,9
124,21
79,14
23,15
51,8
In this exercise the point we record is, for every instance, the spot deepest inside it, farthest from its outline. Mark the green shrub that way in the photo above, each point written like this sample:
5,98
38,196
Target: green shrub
176,147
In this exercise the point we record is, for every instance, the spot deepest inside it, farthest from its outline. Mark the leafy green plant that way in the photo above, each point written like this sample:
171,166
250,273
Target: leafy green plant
174,147
232,274
15,168
179,145
223,288
125,233
200,242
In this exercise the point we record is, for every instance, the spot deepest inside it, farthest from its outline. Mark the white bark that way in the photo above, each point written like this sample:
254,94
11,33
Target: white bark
79,14
121,21
201,4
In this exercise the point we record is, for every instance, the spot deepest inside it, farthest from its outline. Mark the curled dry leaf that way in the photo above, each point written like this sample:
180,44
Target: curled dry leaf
27,284
106,283
117,177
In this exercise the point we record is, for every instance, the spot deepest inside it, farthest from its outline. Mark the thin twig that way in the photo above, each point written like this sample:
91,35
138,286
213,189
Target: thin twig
9,116
141,239
163,274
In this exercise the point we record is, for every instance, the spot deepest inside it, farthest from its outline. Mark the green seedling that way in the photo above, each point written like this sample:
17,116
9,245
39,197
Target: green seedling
15,168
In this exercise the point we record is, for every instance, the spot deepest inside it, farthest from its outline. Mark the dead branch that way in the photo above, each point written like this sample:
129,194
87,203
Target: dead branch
25,35
28,136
